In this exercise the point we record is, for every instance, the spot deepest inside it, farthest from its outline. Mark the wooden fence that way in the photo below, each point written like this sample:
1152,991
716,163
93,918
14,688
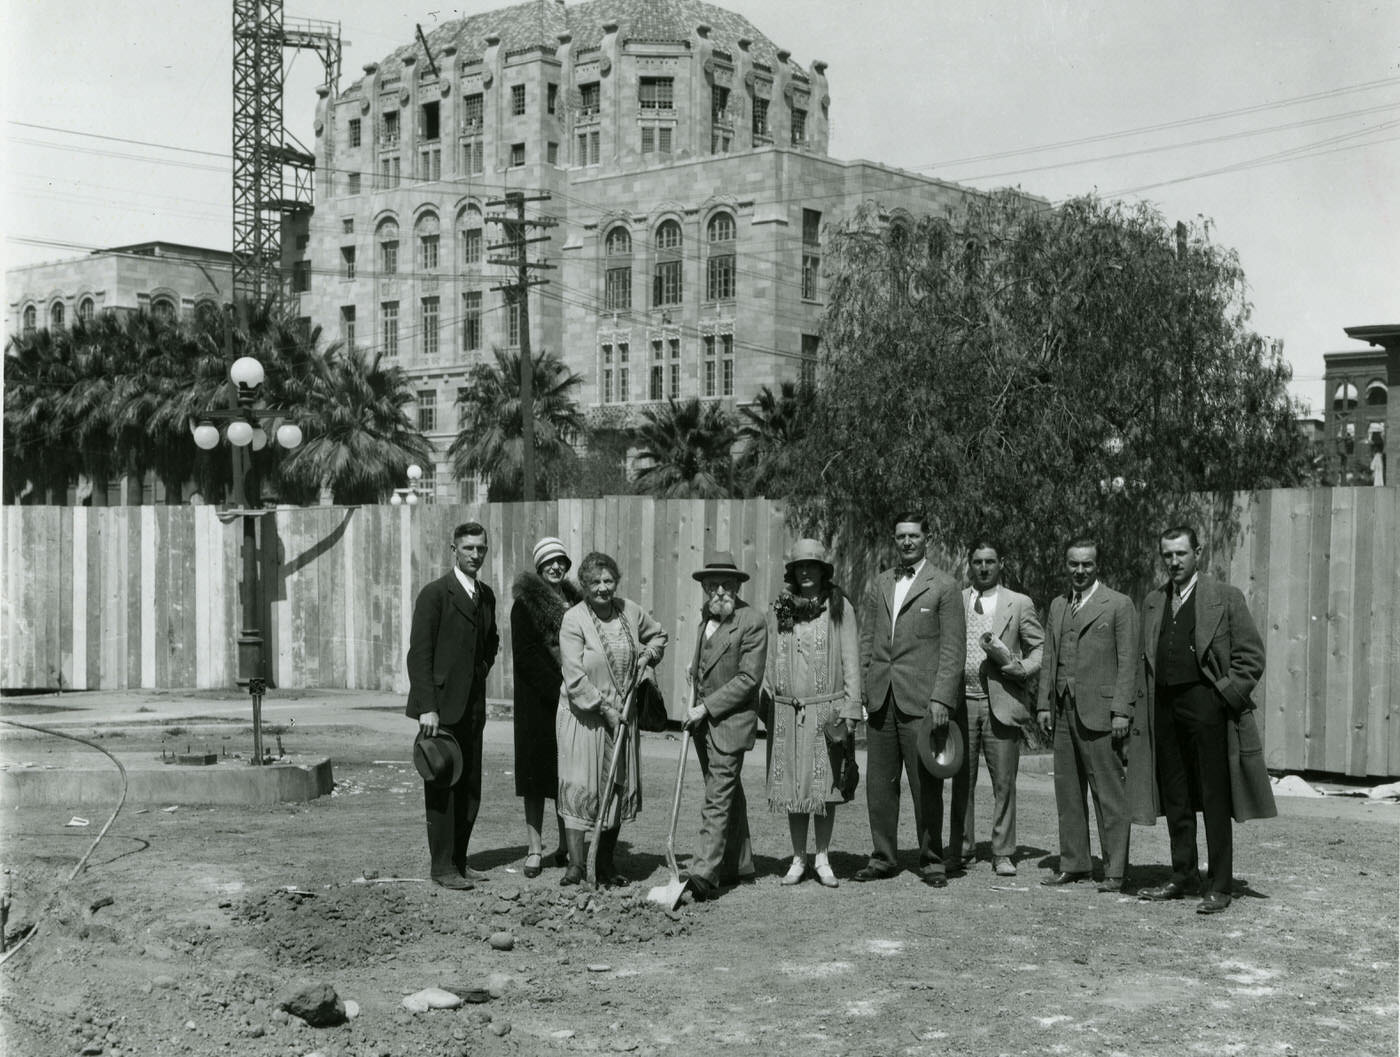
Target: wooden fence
118,597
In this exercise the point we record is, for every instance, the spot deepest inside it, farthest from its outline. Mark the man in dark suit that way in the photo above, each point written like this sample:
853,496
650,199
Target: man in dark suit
724,721
1088,690
452,645
912,643
1201,659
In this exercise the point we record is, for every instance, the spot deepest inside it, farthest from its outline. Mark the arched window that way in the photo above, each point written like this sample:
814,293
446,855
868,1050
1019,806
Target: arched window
56,316
31,318
719,264
206,313
387,235
667,284
163,309
86,309
1344,399
618,242
1377,395
617,273
426,229
469,234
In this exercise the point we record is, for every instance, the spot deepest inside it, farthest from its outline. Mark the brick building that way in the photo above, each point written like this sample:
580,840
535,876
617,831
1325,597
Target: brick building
1358,385
159,277
685,159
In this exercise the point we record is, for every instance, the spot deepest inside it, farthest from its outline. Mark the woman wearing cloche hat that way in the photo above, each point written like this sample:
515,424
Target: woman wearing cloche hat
814,675
541,599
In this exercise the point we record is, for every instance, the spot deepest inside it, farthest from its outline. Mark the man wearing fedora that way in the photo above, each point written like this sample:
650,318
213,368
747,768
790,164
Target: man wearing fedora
452,645
912,635
724,721
1087,700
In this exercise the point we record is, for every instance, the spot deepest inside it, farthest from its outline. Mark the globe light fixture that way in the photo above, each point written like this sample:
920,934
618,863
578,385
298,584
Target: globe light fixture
415,471
395,499
259,439
411,499
206,436
240,434
289,435
247,373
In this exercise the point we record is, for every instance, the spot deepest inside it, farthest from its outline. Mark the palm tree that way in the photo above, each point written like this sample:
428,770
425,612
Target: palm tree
770,428
687,448
41,461
353,412
491,440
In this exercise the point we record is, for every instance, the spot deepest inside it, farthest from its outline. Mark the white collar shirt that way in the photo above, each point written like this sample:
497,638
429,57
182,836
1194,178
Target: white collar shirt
468,582
901,591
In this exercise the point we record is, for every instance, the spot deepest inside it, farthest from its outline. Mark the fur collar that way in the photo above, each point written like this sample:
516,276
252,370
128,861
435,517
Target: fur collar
545,605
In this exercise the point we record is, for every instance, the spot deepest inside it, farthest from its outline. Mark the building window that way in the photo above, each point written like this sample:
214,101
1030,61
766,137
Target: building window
617,289
811,254
517,155
389,257
389,129
668,236
471,246
588,148
719,268
428,252
463,406
551,153
589,96
354,132
471,321
472,111
301,276
811,274
347,325
726,365
657,93
352,183
428,325
427,411
811,227
31,319
388,172
810,344
656,139
430,164
428,127
427,484
760,119
347,226
667,276
474,156
56,315
613,372
163,309
707,365
551,98
1344,399
1377,394
512,321
656,381
674,345
517,99
389,327
605,374
86,308
347,262
799,127
719,105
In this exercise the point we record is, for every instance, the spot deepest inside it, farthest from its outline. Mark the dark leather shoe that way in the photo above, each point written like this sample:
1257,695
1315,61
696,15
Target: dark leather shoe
474,876
532,871
700,889
572,876
561,857
1170,890
1213,903
1064,877
872,873
934,878
454,882
1111,884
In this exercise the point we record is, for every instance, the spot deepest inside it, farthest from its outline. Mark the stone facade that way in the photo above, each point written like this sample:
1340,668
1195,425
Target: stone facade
1360,414
685,160
151,276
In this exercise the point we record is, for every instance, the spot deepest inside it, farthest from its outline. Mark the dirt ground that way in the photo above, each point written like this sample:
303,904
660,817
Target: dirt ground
212,915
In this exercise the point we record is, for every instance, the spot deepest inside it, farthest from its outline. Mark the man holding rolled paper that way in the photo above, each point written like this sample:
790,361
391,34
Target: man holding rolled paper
1004,645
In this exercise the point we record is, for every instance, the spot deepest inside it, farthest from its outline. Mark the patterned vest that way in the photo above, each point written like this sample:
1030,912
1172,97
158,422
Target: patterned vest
1176,663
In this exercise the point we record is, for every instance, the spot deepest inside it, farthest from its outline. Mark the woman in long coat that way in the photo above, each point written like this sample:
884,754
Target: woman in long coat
603,642
814,676
541,599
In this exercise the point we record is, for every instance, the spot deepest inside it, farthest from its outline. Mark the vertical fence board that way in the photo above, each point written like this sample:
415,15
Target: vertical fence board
1383,730
1342,601
1318,576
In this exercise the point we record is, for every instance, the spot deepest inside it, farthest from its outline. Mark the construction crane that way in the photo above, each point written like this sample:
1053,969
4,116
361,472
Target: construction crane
272,171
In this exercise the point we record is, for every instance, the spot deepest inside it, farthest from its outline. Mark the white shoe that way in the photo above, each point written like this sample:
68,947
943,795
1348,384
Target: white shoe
826,876
796,872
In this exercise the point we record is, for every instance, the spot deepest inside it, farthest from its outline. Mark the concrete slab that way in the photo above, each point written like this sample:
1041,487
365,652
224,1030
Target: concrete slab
152,782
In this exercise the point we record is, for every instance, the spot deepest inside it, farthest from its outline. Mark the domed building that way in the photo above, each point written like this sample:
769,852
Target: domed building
684,158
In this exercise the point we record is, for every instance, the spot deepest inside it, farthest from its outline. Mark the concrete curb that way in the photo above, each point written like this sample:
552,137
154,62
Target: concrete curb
228,783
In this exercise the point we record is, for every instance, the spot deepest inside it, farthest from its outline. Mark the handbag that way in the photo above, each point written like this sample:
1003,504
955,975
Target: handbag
651,707
843,758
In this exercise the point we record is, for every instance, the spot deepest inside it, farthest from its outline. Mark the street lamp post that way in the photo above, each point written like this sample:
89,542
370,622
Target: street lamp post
246,434
408,495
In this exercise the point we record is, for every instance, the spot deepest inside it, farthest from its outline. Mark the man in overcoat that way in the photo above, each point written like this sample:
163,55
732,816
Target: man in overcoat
1005,643
1198,747
1088,695
912,645
724,723
452,645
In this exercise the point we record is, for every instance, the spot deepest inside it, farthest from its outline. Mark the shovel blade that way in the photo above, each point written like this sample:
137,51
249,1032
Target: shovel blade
667,895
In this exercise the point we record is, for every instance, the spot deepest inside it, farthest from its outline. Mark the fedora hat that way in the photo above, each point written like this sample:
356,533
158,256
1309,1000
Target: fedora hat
438,758
941,750
807,550
720,563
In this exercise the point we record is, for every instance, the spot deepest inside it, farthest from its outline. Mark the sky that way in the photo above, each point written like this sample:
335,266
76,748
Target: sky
1277,120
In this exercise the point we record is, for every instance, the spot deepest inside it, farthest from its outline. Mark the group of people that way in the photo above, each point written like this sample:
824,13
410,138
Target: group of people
1148,716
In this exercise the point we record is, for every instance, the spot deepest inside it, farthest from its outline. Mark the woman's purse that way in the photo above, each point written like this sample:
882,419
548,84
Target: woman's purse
651,706
843,758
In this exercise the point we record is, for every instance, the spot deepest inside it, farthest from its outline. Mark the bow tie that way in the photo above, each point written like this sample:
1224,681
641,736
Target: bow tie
903,571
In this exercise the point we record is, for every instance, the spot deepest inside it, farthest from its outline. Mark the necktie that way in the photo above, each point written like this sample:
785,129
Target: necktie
977,606
903,571
1176,602
1078,601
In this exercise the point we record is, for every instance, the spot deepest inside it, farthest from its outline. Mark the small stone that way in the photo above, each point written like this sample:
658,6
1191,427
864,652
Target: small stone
316,1004
257,1031
599,967
352,1009
500,1027
431,998
502,941
164,982
91,1049
191,1026
563,1033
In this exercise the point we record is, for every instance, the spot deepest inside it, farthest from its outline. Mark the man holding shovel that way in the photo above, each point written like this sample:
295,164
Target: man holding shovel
724,723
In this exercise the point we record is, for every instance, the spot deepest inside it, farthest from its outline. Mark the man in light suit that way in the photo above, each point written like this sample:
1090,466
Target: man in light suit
1201,659
1004,644
724,721
1088,690
451,646
912,640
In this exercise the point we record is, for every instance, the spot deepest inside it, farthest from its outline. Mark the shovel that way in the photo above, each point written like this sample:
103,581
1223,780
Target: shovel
669,894
619,746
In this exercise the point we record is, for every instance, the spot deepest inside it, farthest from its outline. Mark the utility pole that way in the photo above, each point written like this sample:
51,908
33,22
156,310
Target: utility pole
518,298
